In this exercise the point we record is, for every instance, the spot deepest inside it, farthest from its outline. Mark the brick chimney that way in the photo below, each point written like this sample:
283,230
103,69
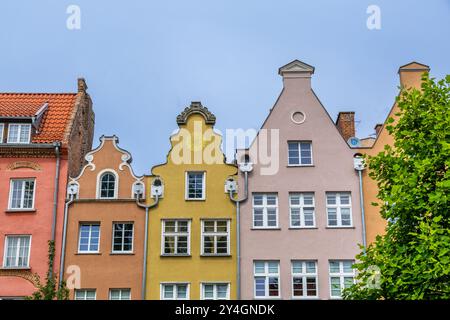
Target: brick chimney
82,86
377,128
411,74
345,123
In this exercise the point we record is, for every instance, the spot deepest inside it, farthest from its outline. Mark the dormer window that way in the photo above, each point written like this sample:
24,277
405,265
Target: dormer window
2,128
19,133
107,186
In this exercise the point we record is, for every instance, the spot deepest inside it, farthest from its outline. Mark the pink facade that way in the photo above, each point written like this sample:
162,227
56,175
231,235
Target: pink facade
37,223
331,170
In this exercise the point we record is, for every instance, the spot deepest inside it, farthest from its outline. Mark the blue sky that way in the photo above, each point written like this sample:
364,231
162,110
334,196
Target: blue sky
144,61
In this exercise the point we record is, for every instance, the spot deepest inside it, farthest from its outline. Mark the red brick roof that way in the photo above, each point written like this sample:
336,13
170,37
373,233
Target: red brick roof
56,118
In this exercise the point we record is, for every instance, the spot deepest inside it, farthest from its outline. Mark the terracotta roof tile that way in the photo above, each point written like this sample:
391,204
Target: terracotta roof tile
56,117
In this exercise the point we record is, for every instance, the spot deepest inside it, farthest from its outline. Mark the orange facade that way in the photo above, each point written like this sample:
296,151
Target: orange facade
410,77
105,228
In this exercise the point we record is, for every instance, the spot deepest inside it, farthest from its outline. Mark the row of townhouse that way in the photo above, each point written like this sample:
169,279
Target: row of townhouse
283,221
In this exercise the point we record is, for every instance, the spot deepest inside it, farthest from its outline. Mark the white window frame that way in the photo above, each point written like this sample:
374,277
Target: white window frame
304,275
123,238
89,242
299,142
341,274
11,183
120,293
266,275
301,208
186,186
338,206
99,184
214,284
175,292
19,132
2,129
265,206
215,234
5,251
85,291
176,234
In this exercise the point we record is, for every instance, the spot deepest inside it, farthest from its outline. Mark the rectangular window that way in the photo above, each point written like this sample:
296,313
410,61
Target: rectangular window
2,128
89,241
17,251
122,237
120,294
342,276
19,133
175,237
339,209
267,279
215,237
302,210
265,210
195,185
304,279
83,294
299,153
174,291
21,194
215,291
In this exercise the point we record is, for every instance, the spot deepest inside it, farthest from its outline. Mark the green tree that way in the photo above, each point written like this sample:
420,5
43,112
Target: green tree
412,259
50,289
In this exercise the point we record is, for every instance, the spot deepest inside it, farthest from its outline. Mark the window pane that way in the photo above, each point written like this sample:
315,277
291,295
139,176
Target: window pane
332,216
24,133
295,199
297,267
260,286
258,217
259,267
107,185
335,287
169,244
334,267
222,245
182,291
331,198
348,282
298,287
345,198
222,226
345,216
271,217
311,288
169,226
273,267
168,291
208,226
295,217
208,291
208,244
182,226
257,200
271,200
348,266
222,290
273,286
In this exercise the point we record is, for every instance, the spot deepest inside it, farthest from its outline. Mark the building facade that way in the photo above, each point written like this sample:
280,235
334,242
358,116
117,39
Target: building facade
410,77
301,224
43,139
192,231
105,228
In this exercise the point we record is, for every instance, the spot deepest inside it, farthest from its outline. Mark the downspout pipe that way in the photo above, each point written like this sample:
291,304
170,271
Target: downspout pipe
363,216
57,146
144,264
63,247
238,233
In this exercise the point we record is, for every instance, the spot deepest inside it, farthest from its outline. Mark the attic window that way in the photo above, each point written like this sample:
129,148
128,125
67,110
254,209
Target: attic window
19,133
2,127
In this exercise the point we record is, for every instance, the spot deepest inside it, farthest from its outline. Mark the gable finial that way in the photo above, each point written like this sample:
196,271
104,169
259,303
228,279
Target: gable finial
196,107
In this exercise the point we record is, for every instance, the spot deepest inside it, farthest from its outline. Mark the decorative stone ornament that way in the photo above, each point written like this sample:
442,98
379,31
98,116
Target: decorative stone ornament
196,107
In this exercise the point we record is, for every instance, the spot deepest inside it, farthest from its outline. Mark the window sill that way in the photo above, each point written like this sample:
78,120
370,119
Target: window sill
175,255
88,253
20,210
303,228
215,255
199,199
305,298
16,268
340,227
299,165
265,229
121,253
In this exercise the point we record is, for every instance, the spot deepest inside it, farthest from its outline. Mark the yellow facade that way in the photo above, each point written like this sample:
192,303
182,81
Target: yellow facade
410,77
195,148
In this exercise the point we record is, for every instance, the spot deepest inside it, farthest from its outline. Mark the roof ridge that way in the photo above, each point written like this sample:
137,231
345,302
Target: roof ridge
38,93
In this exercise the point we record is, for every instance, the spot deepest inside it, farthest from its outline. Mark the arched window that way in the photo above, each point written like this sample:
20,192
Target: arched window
107,185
